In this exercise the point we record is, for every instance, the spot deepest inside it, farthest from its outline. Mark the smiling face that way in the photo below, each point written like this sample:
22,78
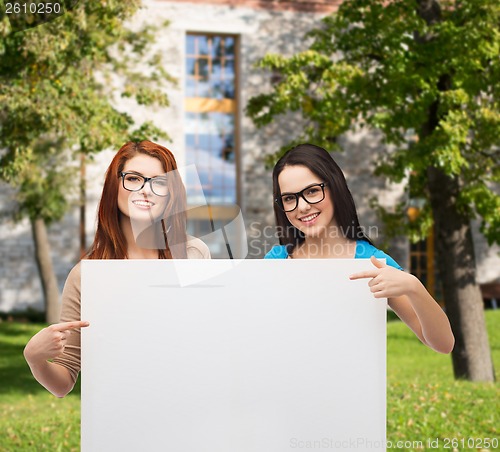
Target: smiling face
143,204
312,219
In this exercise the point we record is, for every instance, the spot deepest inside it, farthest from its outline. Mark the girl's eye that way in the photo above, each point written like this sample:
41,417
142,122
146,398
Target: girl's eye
133,178
289,198
312,191
160,182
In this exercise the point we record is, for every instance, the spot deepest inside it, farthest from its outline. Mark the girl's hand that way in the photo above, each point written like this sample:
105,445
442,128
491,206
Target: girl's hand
49,343
386,281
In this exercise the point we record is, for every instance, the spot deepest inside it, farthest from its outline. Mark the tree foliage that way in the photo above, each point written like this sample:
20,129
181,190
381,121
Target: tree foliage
60,79
59,83
424,73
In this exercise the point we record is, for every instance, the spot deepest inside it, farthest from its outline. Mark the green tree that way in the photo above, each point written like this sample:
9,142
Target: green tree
58,86
414,67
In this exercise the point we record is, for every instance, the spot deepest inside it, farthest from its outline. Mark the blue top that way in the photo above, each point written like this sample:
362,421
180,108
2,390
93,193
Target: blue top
363,251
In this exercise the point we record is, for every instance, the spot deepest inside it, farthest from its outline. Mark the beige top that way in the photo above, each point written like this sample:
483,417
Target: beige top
70,311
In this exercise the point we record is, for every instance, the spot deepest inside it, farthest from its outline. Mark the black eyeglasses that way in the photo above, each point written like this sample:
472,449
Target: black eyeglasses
134,182
312,195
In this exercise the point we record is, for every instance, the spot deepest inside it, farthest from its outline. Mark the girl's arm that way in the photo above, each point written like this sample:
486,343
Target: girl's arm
412,303
48,344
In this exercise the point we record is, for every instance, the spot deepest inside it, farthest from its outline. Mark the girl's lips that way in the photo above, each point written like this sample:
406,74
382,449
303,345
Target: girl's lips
309,219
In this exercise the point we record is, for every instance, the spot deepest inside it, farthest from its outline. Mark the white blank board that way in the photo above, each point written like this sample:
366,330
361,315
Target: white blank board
265,356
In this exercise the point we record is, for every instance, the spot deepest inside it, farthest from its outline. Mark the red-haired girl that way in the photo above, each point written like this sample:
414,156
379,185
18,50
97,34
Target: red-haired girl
142,215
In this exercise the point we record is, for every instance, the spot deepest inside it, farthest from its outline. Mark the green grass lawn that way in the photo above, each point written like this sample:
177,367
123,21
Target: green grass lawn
424,402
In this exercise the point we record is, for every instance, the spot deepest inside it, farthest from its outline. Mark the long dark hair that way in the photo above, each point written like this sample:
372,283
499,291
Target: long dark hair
321,163
109,241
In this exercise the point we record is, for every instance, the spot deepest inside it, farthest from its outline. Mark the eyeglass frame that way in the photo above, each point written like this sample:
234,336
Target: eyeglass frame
146,180
300,193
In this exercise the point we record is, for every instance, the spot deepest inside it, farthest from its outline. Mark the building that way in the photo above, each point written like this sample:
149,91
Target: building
211,47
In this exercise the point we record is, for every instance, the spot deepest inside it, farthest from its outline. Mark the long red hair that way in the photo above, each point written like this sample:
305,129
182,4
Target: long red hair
109,241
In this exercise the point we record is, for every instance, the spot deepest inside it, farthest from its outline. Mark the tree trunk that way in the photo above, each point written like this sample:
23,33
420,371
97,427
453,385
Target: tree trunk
456,259
46,271
457,267
83,203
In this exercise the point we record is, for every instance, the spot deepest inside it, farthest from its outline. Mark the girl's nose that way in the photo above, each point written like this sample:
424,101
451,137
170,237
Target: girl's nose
303,205
146,190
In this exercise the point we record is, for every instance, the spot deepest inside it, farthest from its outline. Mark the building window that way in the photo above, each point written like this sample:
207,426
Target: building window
211,129
210,117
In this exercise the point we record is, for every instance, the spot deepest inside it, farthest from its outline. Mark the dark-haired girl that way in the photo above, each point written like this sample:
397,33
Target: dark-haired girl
316,215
